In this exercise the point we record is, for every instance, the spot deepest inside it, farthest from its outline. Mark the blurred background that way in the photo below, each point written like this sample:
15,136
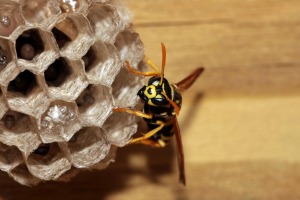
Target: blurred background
239,122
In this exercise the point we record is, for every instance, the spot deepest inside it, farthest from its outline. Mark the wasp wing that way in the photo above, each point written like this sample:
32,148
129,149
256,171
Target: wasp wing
189,80
180,155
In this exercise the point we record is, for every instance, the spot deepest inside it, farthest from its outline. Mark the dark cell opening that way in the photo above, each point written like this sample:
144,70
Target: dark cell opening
61,38
42,150
86,99
9,121
57,73
12,120
29,44
24,83
89,59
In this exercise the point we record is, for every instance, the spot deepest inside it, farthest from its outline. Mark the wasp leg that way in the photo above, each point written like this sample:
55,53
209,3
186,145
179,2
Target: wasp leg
134,112
158,144
129,67
148,135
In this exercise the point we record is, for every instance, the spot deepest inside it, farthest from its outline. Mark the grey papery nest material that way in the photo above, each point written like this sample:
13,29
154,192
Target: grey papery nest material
61,73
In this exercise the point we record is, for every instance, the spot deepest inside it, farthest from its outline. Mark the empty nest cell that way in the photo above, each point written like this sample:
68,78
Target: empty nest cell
101,63
57,72
73,35
48,165
105,21
22,175
19,130
87,147
23,84
65,79
10,157
94,104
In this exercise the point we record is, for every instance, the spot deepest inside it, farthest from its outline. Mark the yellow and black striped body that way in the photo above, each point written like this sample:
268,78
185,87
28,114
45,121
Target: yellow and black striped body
156,104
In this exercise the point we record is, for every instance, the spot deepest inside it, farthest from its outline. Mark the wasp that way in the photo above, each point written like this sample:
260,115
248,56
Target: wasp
162,103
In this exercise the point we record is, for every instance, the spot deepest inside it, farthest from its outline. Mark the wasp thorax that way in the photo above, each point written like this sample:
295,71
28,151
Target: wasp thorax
154,92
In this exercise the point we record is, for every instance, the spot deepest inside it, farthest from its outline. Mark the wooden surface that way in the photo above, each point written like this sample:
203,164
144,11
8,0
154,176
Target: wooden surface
240,121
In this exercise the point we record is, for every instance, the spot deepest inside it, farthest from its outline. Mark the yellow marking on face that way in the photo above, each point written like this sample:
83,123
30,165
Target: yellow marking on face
150,91
159,96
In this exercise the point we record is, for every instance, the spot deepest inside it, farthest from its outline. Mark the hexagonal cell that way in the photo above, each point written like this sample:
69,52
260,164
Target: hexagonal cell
130,47
29,44
25,95
10,17
65,79
23,84
22,175
39,11
102,63
7,53
19,130
60,122
73,36
61,38
110,157
126,86
42,150
94,104
68,6
57,73
68,175
120,128
87,147
36,50
49,165
10,157
105,21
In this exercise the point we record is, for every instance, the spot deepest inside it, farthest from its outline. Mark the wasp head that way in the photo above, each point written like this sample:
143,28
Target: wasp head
153,93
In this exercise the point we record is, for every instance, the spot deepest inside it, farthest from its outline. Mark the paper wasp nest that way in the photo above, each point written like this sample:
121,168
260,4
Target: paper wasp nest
61,73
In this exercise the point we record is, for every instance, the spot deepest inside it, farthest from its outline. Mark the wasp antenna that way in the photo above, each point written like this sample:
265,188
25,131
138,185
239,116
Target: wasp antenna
163,64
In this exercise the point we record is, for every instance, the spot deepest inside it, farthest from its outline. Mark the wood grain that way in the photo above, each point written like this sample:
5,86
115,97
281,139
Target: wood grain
239,121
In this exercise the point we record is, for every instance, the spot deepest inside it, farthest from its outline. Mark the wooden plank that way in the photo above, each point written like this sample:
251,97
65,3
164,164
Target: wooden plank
247,46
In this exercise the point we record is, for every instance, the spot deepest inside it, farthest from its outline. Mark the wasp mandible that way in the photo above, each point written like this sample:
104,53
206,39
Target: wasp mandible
162,103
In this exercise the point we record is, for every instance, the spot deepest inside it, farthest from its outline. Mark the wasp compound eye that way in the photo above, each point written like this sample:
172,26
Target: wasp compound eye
141,94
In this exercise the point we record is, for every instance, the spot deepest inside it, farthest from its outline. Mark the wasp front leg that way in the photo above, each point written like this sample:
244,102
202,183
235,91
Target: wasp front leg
134,112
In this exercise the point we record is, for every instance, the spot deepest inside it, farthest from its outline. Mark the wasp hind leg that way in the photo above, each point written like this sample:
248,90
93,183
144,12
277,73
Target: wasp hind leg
145,138
149,142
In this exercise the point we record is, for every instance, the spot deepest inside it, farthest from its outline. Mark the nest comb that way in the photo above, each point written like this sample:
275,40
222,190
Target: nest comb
61,73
